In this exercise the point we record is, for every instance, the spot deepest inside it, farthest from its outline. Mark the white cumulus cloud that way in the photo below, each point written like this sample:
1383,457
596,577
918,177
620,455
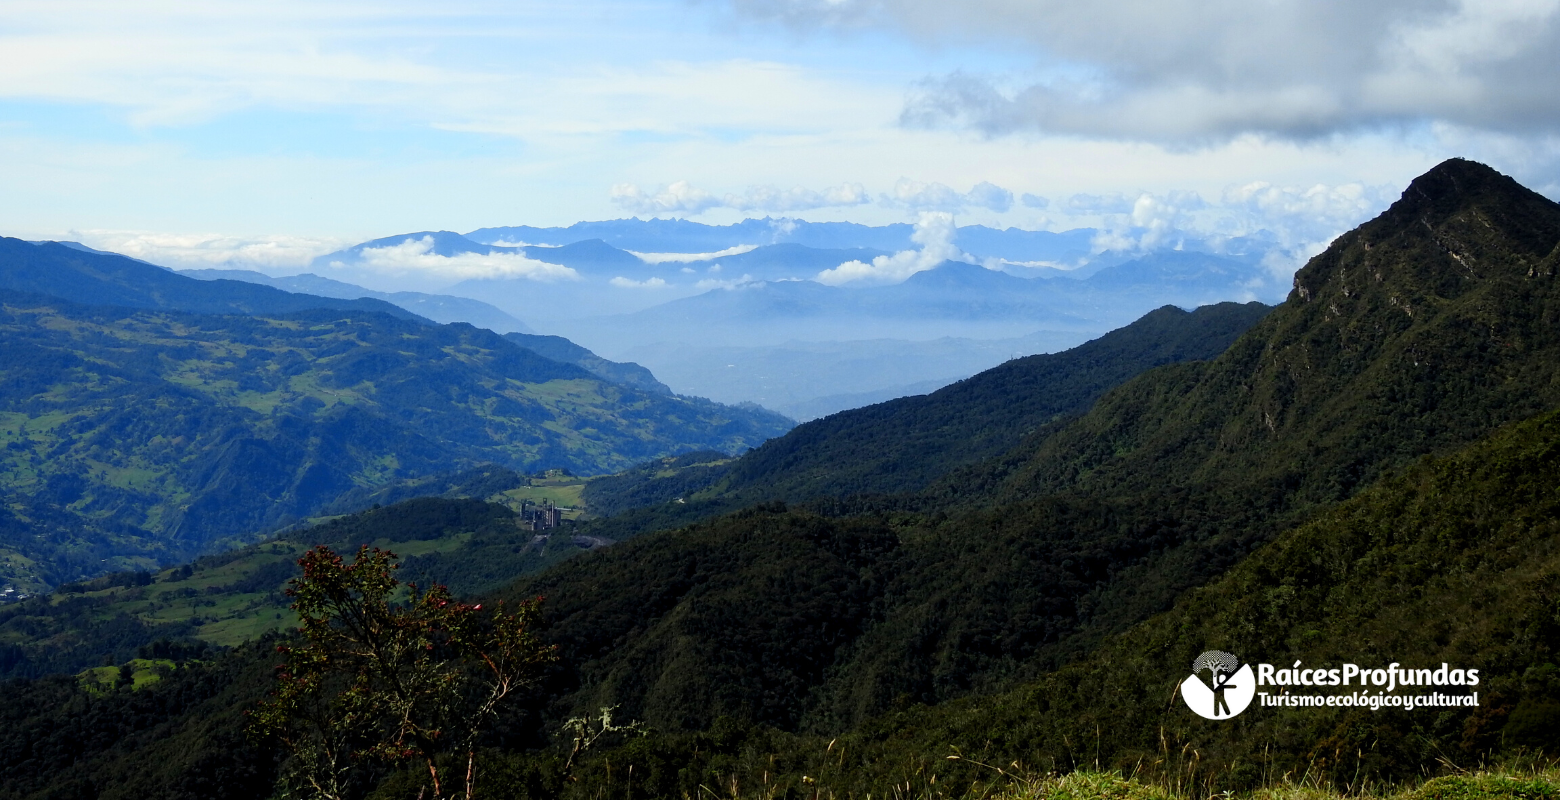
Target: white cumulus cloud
679,197
934,232
416,256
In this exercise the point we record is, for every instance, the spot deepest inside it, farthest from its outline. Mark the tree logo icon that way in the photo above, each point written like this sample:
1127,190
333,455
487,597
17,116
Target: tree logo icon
1227,690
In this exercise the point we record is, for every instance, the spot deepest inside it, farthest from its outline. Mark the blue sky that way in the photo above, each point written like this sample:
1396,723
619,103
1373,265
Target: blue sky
199,132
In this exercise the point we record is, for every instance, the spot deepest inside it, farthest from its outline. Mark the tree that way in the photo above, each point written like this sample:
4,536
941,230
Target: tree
384,676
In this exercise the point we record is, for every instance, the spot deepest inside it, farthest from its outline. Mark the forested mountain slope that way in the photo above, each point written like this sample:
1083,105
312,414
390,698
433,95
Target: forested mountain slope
1002,570
1454,560
137,437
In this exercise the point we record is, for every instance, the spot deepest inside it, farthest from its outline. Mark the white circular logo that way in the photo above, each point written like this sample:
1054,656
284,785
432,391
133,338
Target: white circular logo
1227,690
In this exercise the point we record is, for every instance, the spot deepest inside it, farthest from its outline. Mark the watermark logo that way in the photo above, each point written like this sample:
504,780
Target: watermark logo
1227,689
1221,687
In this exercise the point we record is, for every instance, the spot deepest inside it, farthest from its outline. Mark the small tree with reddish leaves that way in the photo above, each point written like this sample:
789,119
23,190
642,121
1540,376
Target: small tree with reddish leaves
380,677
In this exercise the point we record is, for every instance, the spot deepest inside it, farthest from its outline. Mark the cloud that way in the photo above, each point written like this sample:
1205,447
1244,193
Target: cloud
1035,201
1287,224
648,283
682,198
918,196
934,231
1201,71
1098,204
210,250
737,283
679,197
683,258
417,256
768,198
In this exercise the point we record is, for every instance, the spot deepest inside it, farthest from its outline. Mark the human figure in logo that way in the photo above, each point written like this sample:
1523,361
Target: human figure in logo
1222,667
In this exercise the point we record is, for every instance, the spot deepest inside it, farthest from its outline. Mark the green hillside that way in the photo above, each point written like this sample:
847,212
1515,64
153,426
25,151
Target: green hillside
132,438
226,599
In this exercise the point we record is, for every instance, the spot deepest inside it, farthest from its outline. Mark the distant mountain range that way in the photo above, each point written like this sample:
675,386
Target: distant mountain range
621,286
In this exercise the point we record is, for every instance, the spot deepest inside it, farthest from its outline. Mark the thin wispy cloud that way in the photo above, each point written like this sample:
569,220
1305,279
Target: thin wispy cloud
684,258
920,196
681,197
629,283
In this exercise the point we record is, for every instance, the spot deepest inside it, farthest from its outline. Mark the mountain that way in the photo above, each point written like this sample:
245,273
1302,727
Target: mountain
439,243
779,262
95,278
564,351
443,309
1182,272
953,297
591,255
683,236
133,438
1419,333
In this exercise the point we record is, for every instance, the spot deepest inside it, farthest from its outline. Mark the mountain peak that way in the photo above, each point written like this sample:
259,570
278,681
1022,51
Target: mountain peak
1460,224
1457,183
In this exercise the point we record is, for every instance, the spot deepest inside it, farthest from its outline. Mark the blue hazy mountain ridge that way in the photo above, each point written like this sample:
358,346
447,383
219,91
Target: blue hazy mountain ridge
93,278
781,261
562,350
1184,270
591,256
958,290
443,243
617,303
441,308
683,236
